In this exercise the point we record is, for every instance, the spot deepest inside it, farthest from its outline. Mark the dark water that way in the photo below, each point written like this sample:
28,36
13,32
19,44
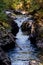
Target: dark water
28,52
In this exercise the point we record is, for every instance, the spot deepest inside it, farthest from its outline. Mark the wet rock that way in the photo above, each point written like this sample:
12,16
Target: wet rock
37,33
32,39
4,59
11,16
35,30
26,27
17,12
13,25
15,28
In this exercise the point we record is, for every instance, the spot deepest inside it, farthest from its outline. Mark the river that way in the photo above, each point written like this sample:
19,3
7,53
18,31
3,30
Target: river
28,52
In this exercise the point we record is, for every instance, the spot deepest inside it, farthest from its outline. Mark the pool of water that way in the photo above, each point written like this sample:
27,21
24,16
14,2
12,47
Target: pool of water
28,51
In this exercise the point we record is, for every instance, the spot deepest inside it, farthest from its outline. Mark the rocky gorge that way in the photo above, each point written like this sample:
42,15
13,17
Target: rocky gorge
28,27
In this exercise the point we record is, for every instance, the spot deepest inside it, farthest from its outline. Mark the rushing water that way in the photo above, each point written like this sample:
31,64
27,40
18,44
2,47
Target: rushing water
28,52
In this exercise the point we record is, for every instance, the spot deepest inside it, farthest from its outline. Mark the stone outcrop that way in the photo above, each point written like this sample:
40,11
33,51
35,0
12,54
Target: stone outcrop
26,27
35,30
15,28
6,37
7,41
12,23
37,33
35,62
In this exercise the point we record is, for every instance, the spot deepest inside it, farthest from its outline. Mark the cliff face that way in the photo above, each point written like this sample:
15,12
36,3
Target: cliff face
39,33
35,30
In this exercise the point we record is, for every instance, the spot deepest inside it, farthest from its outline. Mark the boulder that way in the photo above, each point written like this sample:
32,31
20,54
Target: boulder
12,23
26,27
35,62
15,28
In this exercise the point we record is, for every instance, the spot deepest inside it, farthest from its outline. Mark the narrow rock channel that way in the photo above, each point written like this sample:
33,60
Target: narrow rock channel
28,52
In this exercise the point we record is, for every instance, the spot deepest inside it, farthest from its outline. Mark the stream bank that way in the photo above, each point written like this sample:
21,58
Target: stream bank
29,52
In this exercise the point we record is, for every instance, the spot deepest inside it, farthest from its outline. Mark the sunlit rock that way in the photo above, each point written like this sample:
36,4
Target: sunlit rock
34,62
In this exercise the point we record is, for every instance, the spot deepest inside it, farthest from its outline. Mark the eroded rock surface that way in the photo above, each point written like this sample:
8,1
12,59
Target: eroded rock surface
35,30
